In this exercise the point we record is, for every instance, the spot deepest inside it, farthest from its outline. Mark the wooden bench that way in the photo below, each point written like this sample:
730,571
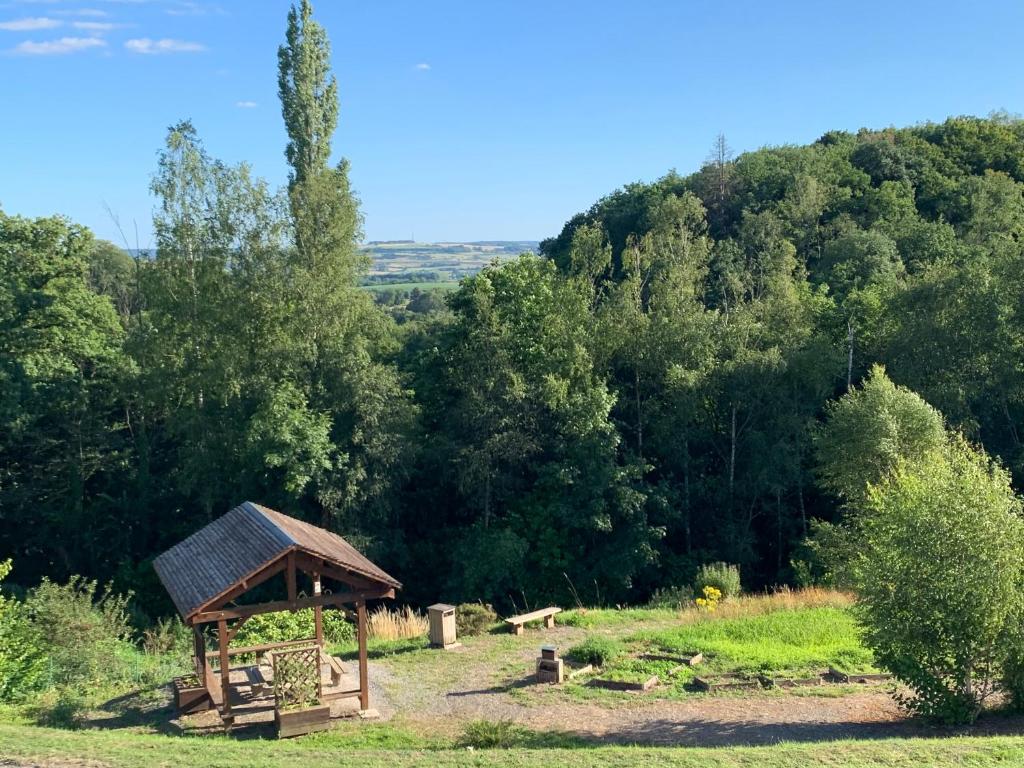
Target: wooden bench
548,614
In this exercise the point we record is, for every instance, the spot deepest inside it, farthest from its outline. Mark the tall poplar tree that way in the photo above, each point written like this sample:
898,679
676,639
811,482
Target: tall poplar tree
309,94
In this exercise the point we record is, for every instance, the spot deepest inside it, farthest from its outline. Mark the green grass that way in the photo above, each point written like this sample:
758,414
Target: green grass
792,643
128,750
613,618
784,643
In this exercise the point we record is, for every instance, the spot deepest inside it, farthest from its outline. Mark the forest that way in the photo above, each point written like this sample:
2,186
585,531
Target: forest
586,425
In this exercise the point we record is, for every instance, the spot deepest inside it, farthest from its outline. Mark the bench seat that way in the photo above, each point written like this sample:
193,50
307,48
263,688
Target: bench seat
548,614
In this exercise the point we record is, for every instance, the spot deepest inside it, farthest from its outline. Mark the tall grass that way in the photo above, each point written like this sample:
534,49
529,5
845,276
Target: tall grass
398,624
783,599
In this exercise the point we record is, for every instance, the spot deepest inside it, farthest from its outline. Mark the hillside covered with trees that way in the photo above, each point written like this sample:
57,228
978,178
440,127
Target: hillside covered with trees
597,421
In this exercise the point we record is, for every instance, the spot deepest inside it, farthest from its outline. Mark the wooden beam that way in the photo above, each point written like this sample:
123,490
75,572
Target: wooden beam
249,582
263,647
364,674
311,565
225,667
336,599
234,630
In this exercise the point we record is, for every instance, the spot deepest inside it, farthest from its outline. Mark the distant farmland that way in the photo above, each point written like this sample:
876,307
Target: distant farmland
448,261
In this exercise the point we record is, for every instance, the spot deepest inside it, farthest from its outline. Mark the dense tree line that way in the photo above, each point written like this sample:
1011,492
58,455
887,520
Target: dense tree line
596,421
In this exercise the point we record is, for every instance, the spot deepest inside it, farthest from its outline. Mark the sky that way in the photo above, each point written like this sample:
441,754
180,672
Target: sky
473,120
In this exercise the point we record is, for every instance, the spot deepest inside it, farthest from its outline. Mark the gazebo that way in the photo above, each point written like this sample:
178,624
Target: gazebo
208,572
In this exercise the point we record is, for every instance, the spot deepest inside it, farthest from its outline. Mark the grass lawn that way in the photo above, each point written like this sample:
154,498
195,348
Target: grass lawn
791,635
132,750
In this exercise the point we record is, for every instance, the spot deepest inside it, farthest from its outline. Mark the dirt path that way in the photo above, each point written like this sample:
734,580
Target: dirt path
755,719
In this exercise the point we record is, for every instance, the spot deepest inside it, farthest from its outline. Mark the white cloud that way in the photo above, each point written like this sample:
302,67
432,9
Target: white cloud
90,12
187,8
64,45
246,104
95,26
166,45
423,66
27,25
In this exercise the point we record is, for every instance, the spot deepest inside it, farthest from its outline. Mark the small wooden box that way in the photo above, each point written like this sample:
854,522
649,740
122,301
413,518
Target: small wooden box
190,697
549,652
296,722
441,618
550,671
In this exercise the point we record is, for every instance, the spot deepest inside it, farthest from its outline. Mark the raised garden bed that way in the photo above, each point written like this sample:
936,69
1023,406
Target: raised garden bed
726,683
684,660
302,720
839,676
625,685
190,696
791,682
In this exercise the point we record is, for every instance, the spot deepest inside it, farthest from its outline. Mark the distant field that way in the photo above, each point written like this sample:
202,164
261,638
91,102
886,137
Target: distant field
451,260
437,285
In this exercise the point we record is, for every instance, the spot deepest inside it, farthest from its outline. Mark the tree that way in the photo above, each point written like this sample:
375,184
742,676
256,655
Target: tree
308,93
939,575
61,424
872,430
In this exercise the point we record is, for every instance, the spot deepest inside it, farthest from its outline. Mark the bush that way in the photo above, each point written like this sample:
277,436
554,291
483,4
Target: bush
939,578
283,626
474,618
22,659
84,633
671,597
598,651
722,576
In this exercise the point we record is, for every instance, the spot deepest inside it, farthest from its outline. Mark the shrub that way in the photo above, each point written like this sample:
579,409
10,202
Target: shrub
722,576
22,659
83,632
474,618
939,579
284,626
598,651
671,597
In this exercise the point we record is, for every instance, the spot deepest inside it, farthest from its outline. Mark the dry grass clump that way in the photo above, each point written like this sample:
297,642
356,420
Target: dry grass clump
398,624
783,599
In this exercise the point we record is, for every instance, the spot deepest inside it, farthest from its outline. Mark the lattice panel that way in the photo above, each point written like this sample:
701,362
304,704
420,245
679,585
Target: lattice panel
297,677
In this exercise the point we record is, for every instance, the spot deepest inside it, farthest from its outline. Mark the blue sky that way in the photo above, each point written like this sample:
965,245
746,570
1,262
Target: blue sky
474,120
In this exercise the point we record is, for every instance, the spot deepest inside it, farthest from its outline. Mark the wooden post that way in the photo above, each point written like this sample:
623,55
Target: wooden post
364,674
225,668
289,575
318,612
199,648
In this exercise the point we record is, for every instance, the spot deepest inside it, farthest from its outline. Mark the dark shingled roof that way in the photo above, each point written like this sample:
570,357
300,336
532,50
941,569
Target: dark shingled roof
245,540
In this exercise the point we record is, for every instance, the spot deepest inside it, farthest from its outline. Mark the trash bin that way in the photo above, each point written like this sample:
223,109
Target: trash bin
442,625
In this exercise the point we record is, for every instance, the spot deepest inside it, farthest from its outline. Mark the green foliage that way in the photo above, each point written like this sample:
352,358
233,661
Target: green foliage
671,597
722,576
83,631
474,618
939,576
870,430
22,658
596,650
285,625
